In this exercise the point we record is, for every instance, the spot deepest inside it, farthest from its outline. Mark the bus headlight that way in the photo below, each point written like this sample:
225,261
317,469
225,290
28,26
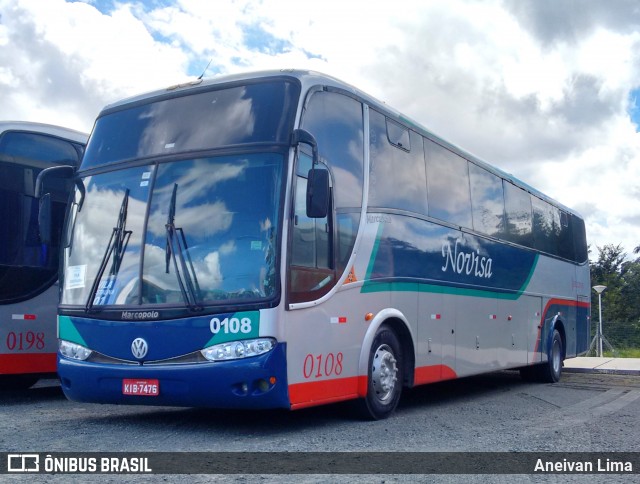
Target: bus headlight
235,350
73,351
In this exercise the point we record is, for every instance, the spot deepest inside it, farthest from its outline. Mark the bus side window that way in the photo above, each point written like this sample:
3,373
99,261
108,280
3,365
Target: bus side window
310,235
546,226
397,174
319,250
448,193
580,239
487,201
311,243
517,204
566,247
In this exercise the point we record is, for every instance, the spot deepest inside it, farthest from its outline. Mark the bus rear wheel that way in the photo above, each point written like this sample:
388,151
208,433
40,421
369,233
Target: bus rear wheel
384,379
551,370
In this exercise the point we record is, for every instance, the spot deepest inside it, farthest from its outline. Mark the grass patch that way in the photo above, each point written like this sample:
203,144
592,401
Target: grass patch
623,353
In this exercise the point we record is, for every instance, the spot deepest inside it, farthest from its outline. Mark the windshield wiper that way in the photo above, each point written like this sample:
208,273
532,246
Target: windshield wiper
116,247
175,248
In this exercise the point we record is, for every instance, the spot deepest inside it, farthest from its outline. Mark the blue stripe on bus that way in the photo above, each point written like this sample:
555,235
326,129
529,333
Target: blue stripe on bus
441,259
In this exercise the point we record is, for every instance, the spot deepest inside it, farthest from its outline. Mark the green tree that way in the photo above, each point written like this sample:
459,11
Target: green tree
607,271
621,300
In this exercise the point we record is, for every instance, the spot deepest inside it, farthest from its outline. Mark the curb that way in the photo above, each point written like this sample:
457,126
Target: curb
603,371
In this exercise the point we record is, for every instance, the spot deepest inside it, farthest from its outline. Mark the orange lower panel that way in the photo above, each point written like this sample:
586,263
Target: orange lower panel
309,394
432,374
15,364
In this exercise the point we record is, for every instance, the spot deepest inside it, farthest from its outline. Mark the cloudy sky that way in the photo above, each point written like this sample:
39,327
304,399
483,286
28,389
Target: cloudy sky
548,90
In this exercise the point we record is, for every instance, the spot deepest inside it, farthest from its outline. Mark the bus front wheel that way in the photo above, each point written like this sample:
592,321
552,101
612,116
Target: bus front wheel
384,379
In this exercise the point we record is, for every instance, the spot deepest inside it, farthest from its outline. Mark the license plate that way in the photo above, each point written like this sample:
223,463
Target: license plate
147,388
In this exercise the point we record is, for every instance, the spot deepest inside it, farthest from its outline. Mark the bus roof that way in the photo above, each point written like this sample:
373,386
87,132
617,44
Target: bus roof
50,129
309,79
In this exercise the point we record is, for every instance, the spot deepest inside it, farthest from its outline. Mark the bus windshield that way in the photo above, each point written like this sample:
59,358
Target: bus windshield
194,232
250,113
179,197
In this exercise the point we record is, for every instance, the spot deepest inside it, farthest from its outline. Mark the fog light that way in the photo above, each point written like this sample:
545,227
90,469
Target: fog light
262,385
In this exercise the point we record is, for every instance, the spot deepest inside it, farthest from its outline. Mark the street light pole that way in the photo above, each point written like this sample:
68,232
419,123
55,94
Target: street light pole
599,289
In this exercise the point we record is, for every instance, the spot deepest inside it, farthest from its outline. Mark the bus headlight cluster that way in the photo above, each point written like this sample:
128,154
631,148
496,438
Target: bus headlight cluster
73,351
238,349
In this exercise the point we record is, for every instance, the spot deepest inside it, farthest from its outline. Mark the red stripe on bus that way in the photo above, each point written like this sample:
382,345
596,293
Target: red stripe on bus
309,394
432,374
14,364
559,302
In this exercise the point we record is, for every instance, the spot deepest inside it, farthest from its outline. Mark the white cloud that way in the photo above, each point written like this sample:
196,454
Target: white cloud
539,88
62,62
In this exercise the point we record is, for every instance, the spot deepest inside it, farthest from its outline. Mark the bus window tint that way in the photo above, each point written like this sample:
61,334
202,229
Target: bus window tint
347,229
310,242
579,236
27,265
398,135
397,177
35,149
487,200
546,226
311,274
244,114
336,122
517,204
565,242
448,185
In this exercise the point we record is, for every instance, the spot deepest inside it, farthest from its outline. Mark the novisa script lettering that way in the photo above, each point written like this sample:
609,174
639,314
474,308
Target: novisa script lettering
465,262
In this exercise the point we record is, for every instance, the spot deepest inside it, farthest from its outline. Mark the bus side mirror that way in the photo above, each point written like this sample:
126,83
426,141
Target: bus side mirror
62,171
302,136
50,180
44,218
318,180
318,193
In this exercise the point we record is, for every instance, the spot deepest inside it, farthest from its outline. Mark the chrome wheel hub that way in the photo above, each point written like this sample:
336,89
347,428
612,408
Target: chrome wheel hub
384,373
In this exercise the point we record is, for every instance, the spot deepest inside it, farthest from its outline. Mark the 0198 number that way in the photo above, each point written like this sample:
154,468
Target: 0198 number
25,341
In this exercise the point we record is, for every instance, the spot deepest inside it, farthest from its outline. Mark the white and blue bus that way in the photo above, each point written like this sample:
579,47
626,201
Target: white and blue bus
283,240
28,265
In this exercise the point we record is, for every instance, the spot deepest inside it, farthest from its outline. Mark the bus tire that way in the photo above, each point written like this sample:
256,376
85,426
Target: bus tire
384,378
551,370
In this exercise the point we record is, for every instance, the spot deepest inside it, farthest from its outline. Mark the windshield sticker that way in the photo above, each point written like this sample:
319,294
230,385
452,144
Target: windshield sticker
75,277
256,245
145,179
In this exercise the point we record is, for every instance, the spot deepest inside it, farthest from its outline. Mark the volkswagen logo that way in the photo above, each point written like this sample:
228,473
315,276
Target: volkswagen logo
139,348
